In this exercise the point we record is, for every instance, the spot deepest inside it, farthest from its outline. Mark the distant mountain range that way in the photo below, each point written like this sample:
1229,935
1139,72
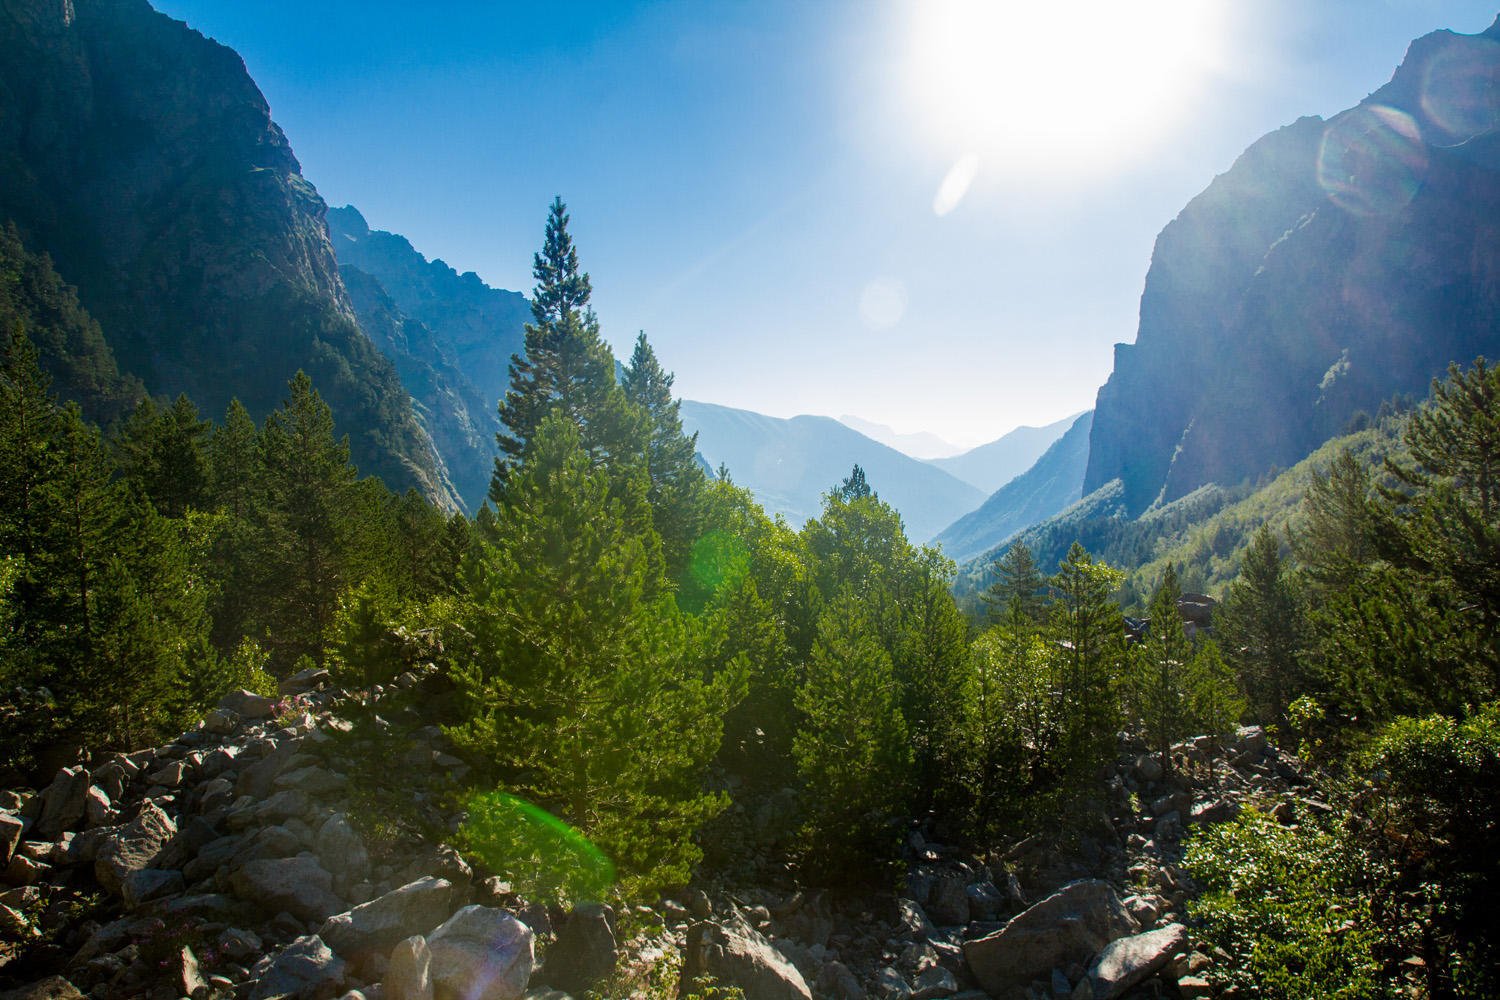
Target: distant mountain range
920,444
1051,484
790,463
991,466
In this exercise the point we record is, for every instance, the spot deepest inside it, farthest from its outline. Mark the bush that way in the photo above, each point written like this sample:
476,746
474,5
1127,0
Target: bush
1291,904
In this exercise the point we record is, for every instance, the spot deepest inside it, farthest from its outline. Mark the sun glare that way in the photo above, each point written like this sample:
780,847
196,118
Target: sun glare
1057,87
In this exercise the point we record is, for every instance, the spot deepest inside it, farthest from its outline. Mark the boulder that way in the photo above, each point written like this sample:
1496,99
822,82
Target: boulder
948,904
889,985
246,704
739,956
303,681
65,803
185,977
409,974
584,952
481,953
837,982
1069,926
305,969
935,982
381,923
340,847
133,847
51,988
139,888
1128,961
11,828
299,885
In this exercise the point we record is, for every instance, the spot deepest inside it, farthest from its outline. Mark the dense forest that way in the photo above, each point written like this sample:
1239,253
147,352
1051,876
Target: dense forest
627,642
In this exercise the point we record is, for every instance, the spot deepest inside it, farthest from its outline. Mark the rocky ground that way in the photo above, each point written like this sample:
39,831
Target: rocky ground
249,859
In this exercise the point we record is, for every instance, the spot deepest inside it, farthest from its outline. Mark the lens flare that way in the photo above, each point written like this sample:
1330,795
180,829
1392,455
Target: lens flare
955,185
546,858
1461,88
1372,160
882,303
717,557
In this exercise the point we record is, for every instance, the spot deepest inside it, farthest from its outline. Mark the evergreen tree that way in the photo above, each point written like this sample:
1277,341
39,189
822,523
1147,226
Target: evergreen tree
583,689
677,480
1018,582
300,553
1158,689
1260,623
234,461
565,366
1087,626
855,487
166,452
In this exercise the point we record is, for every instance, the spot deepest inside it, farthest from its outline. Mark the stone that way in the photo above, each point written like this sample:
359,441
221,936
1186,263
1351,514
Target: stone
935,982
1250,739
143,886
65,803
284,805
378,925
185,975
97,809
986,902
112,777
481,953
133,847
948,904
1148,767
170,775
1145,909
246,704
51,988
584,952
914,919
221,722
409,974
836,982
11,828
340,847
239,945
890,986
13,924
739,956
314,782
25,871
1216,811
1128,961
303,681
192,837
299,885
305,969
1194,988
1069,926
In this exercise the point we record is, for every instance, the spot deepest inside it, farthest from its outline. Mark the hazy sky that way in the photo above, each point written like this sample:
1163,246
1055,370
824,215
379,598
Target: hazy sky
933,215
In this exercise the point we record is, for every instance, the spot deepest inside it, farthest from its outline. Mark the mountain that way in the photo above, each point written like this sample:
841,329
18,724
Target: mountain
991,466
1051,484
477,326
1335,266
790,464
142,158
922,444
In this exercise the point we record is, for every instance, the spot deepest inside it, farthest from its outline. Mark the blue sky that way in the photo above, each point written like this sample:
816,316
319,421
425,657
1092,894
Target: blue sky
757,185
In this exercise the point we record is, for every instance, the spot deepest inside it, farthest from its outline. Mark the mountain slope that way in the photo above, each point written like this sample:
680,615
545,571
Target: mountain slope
1336,265
991,466
790,464
143,159
921,444
1051,484
479,327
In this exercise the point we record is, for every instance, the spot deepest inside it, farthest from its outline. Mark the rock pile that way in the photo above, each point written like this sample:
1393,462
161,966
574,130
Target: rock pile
230,863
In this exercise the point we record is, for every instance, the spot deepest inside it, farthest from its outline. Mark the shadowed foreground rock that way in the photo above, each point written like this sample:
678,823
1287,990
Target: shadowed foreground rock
738,956
1069,926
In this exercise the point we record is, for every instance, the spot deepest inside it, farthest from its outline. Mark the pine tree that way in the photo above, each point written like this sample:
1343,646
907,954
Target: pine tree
565,366
166,452
1260,622
1158,688
1018,582
1087,625
855,487
581,686
677,480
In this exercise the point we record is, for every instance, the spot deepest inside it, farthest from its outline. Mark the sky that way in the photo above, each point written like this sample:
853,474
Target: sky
934,215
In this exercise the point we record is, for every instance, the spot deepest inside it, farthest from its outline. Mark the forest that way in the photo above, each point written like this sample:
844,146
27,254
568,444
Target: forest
629,643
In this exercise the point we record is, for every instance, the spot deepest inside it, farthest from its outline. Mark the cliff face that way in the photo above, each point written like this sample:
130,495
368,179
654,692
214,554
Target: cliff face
1334,266
143,158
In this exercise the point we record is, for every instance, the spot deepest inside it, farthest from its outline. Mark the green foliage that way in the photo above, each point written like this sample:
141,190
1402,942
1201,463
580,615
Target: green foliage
1018,583
585,692
1085,623
1260,624
1291,904
852,748
1432,812
547,860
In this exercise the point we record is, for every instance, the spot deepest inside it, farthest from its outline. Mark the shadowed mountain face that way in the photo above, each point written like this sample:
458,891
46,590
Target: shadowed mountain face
1336,265
1050,485
143,159
790,464
479,327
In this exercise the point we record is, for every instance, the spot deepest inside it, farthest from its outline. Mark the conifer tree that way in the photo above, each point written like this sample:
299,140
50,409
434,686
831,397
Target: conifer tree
1158,687
564,366
677,480
1260,623
855,487
582,689
1018,582
1087,625
166,452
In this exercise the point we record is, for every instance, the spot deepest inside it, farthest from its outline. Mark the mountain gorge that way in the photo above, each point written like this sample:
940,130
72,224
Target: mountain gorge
143,159
1335,266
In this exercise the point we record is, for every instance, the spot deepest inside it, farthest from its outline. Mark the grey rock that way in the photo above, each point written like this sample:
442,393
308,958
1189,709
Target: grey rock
1194,988
65,803
739,956
11,828
305,969
112,776
170,775
1217,811
148,884
381,923
890,985
481,953
246,704
986,902
948,903
1250,739
409,975
836,982
313,781
51,988
340,847
1148,767
133,847
284,805
303,681
1131,960
239,945
914,919
584,952
185,975
97,809
221,721
935,982
299,885
1069,926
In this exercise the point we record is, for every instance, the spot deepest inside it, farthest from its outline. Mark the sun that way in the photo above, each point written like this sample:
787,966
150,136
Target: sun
1064,87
